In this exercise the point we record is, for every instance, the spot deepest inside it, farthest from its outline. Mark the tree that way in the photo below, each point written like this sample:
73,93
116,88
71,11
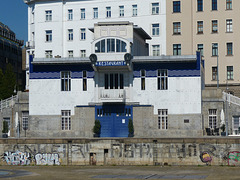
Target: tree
1,85
8,82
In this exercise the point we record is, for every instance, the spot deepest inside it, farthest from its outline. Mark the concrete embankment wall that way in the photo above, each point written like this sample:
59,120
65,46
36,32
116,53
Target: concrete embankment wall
121,151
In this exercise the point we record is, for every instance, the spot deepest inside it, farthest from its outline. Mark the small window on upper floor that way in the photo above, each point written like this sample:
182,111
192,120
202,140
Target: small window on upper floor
108,12
121,11
70,14
95,13
200,27
48,14
134,10
155,29
228,4
199,5
82,13
229,25
176,6
214,26
176,28
155,8
214,5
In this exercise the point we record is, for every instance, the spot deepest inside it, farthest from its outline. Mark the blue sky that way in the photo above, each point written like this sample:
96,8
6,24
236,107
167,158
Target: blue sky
13,13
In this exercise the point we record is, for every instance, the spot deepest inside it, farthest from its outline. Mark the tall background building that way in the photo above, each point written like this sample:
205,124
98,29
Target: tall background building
11,53
210,26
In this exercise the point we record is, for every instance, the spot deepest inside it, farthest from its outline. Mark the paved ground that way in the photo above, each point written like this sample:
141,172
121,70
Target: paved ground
118,172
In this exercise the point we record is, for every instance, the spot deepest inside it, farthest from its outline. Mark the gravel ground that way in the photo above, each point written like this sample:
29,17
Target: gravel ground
119,172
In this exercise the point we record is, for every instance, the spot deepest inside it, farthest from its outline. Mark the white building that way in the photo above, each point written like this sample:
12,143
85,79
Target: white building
61,27
102,60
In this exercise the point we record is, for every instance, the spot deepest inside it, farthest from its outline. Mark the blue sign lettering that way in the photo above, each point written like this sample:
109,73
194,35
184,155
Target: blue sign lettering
111,63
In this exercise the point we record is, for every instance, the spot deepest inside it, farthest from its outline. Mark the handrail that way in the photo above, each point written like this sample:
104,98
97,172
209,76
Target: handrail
9,102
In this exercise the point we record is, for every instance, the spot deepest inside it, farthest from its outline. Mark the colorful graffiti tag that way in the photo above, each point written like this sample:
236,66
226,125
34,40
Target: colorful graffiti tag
234,158
17,158
47,159
205,157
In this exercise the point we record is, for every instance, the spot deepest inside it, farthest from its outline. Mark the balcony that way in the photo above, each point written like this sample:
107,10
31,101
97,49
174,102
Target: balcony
30,44
112,95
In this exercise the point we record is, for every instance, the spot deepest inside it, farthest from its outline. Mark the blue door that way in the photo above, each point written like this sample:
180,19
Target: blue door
114,120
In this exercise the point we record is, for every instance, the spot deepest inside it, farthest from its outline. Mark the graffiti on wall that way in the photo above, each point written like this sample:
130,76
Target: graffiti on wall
205,157
17,158
234,158
47,159
42,154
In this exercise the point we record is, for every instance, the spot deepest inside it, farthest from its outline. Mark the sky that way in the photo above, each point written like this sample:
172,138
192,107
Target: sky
13,13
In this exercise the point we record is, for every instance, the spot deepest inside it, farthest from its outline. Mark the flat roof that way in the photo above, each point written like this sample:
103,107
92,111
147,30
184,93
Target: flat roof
136,59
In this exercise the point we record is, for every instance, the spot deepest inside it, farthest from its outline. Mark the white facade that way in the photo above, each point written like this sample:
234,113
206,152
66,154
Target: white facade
147,16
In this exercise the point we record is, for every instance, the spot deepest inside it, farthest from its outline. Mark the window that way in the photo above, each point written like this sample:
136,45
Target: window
176,28
84,80
49,36
155,29
176,6
214,5
134,10
82,13
156,50
70,53
162,119
200,27
25,120
228,4
111,45
212,118
83,53
83,34
155,8
48,15
162,79
199,5
95,13
214,26
236,124
229,49
65,81
70,14
121,11
176,49
229,25
214,73
229,72
48,54
214,49
70,34
7,119
200,48
108,10
66,120
113,81
143,75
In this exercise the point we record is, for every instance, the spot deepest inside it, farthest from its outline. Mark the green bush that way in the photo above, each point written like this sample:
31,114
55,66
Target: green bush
97,127
130,128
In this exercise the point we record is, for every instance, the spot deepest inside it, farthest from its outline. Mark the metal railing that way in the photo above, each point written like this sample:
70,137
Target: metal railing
231,98
112,94
8,102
